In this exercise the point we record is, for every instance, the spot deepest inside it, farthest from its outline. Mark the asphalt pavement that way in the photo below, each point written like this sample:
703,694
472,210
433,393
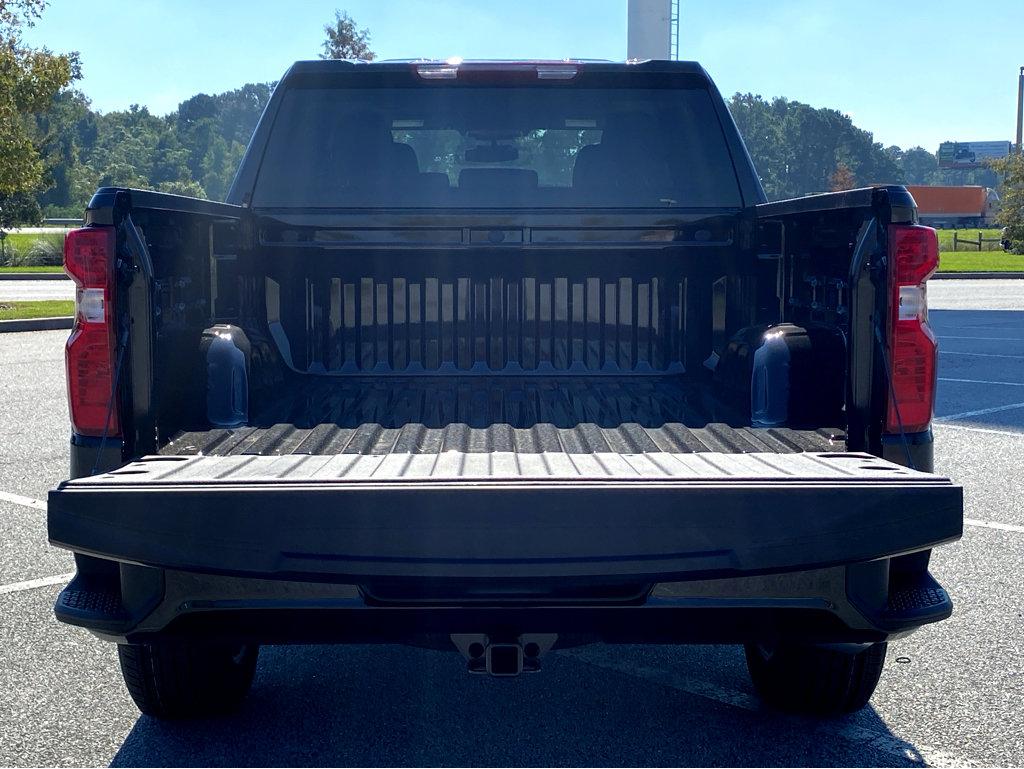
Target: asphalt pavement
952,693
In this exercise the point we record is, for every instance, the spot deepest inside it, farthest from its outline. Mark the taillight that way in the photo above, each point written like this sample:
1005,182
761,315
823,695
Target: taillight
90,352
497,72
913,257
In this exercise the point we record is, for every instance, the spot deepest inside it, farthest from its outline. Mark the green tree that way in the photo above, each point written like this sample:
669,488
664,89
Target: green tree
984,177
796,148
193,151
188,188
19,208
64,131
15,13
345,40
29,81
918,165
133,149
215,131
763,134
1011,194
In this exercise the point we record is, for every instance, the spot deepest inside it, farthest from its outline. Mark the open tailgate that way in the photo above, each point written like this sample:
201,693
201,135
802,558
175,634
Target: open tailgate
504,515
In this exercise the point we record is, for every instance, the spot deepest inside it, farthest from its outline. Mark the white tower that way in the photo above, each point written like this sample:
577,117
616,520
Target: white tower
652,29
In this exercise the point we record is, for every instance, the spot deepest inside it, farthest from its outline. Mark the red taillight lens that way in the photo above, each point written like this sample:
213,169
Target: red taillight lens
914,256
89,261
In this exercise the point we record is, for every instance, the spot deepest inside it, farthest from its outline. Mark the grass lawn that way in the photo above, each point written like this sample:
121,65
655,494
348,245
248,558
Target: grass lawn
23,241
30,269
986,261
50,309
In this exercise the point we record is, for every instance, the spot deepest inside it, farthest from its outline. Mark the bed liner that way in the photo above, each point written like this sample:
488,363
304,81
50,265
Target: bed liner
522,415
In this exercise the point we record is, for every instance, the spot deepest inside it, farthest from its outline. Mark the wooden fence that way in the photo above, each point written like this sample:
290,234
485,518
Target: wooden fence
977,243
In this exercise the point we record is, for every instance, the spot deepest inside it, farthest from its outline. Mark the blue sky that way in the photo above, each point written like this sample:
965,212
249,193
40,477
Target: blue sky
912,72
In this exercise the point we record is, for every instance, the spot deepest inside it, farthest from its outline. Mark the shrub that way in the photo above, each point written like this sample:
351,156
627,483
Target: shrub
1011,193
44,250
7,253
47,251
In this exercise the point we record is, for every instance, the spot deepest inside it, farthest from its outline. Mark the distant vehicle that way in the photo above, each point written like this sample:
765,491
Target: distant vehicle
955,207
501,358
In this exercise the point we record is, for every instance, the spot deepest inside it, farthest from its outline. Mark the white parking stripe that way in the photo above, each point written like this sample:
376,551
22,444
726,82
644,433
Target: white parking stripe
951,426
17,587
981,381
17,499
982,338
993,525
980,354
979,412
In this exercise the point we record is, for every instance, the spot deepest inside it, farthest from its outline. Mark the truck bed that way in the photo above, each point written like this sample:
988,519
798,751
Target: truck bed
525,415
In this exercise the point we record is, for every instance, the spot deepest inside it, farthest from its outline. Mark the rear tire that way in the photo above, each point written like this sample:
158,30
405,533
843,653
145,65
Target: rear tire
815,679
187,680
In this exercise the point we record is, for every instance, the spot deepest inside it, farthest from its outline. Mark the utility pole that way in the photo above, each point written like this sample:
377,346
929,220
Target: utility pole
1020,109
649,29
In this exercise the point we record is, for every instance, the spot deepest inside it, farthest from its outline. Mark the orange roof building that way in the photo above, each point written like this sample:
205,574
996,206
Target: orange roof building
950,201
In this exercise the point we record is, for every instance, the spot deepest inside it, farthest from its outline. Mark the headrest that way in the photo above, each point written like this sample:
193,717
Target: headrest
628,130
404,158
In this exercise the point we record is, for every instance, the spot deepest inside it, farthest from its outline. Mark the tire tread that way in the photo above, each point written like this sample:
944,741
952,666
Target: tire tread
184,680
815,679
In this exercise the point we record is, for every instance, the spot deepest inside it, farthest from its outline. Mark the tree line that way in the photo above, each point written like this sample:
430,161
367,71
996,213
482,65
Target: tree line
55,150
193,151
58,150
797,149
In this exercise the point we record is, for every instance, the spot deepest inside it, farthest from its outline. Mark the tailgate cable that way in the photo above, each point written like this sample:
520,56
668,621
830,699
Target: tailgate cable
892,395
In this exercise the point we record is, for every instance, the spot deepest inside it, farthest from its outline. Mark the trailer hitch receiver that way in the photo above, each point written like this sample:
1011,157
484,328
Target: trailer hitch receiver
503,656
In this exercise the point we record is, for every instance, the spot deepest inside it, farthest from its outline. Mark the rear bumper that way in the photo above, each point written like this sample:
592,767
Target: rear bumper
858,604
712,548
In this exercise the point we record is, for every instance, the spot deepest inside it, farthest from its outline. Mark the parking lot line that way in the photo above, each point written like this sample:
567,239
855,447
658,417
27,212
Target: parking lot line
17,587
979,412
981,381
980,354
17,499
1007,433
982,338
993,525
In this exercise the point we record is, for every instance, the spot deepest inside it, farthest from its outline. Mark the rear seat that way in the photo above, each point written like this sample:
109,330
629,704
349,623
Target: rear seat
630,164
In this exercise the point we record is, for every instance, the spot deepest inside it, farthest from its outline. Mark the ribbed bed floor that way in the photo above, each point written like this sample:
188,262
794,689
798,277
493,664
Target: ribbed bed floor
429,415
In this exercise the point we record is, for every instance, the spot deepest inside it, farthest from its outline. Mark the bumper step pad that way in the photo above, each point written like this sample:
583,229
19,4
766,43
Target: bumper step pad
95,606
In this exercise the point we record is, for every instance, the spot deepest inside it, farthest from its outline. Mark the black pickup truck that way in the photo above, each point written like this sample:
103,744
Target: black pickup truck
501,358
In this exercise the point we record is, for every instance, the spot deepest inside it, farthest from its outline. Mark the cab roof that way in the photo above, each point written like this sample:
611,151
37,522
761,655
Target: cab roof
325,66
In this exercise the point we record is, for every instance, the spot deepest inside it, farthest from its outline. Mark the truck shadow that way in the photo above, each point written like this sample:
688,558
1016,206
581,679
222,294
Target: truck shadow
370,706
